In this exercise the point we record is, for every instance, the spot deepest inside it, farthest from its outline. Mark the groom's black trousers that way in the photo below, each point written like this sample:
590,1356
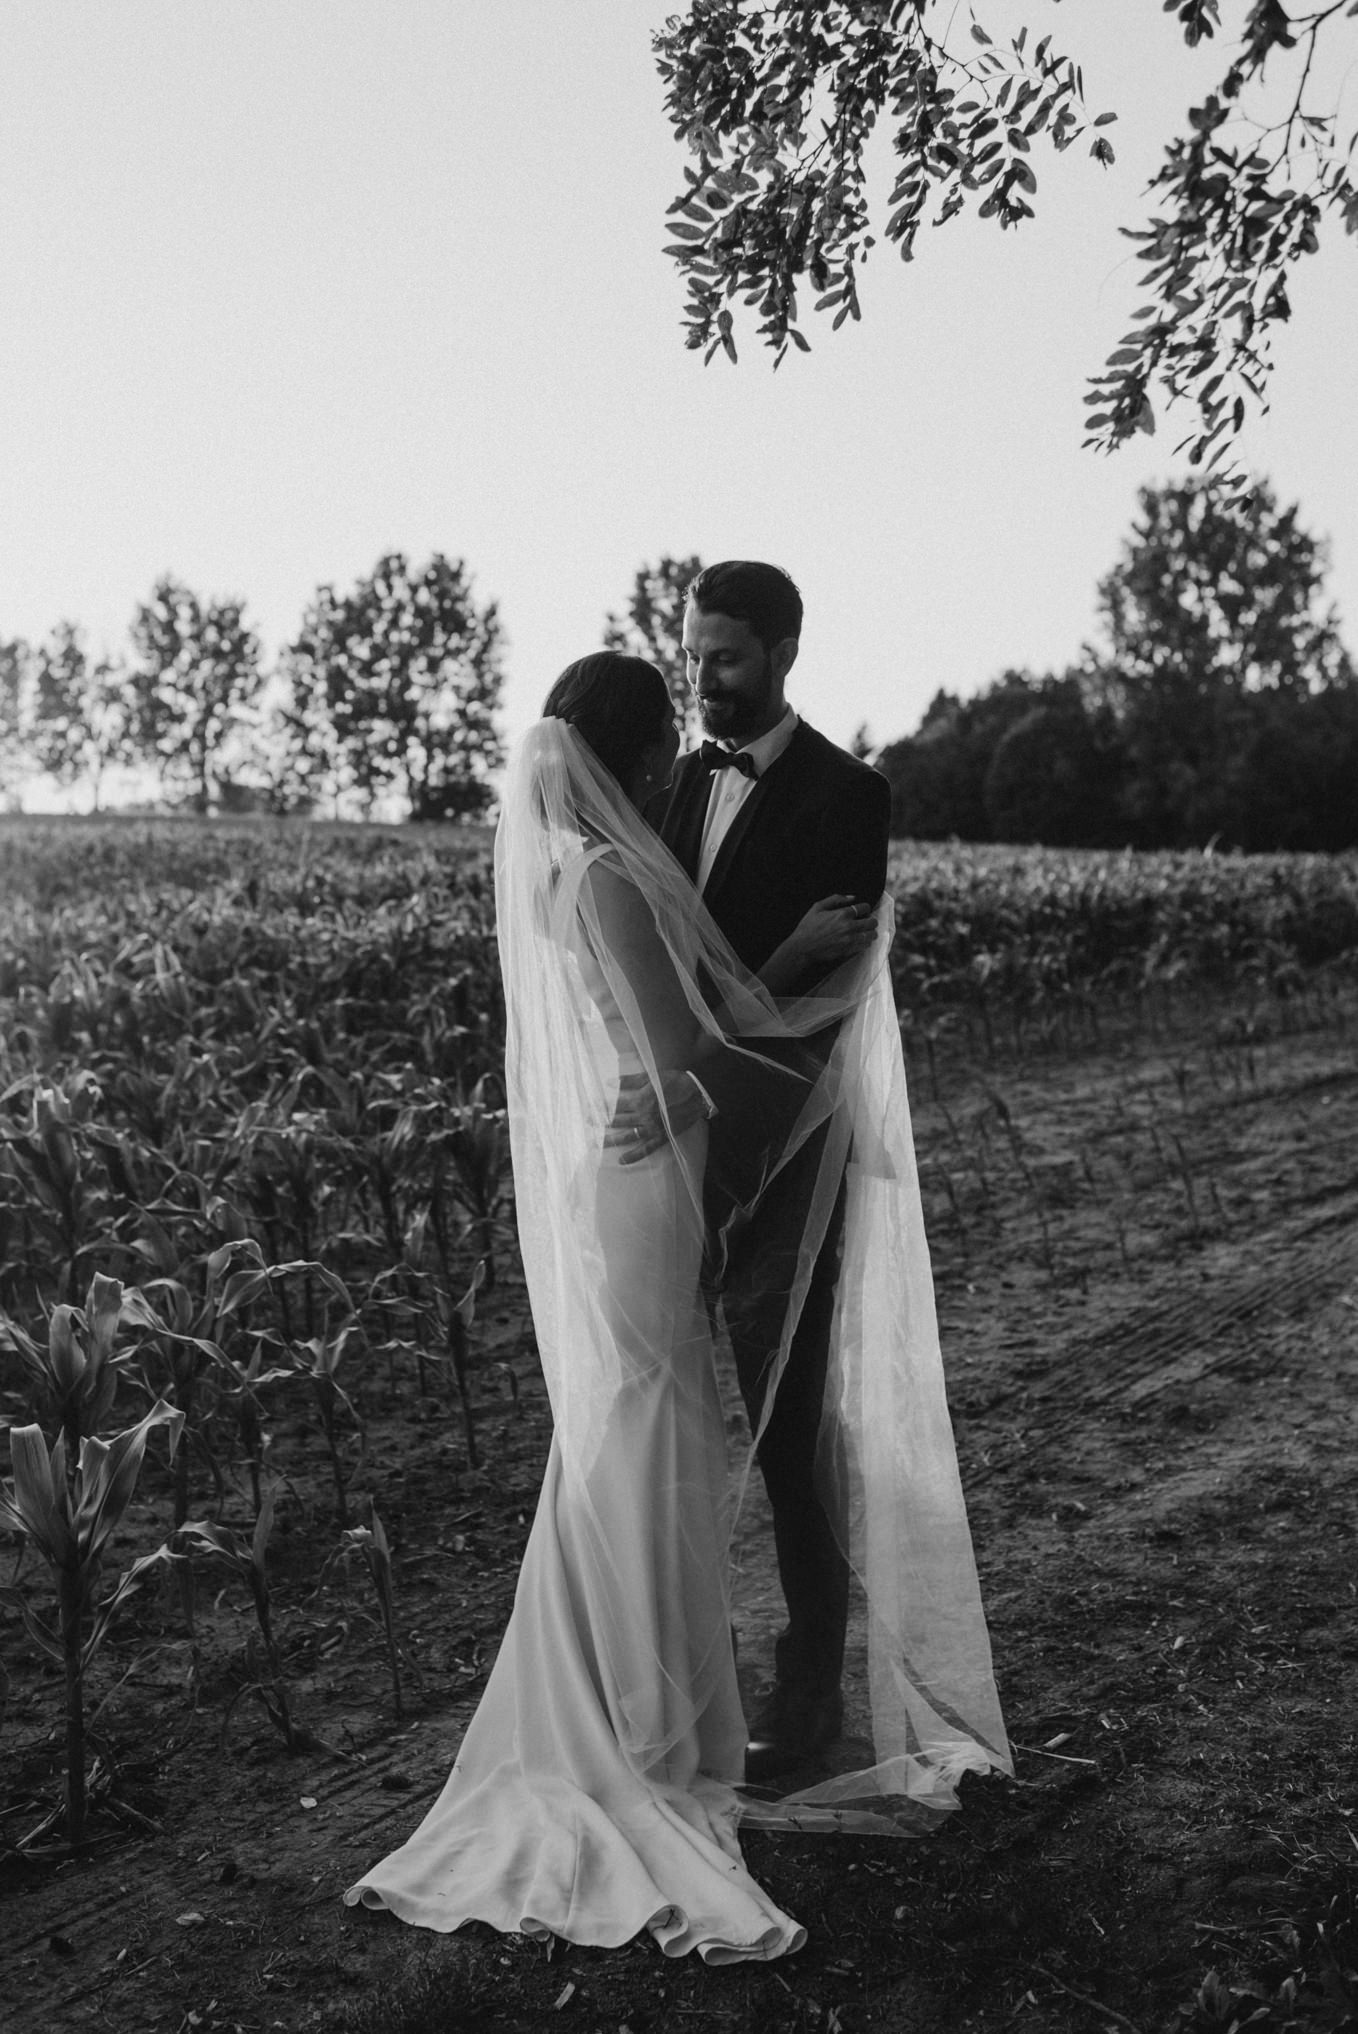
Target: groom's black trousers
759,1271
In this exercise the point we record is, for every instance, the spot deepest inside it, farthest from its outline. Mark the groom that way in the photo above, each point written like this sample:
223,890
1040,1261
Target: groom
769,817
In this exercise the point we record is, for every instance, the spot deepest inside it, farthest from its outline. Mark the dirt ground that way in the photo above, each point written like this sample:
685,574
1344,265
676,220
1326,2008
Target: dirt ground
1146,1252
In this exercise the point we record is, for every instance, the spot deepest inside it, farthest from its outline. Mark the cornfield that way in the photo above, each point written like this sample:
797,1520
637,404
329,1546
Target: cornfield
254,1163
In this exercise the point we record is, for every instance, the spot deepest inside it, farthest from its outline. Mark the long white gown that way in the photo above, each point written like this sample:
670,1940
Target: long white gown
595,1793
547,1825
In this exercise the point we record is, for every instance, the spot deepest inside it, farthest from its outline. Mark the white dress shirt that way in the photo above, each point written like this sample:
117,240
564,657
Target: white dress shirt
730,790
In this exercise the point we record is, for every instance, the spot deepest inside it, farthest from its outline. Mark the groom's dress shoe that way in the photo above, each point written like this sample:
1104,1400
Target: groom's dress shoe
788,1731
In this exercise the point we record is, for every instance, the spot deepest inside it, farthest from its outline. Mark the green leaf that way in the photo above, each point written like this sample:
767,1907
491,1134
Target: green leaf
36,1502
41,1633
108,1473
213,1539
65,1358
103,1311
466,1306
127,1585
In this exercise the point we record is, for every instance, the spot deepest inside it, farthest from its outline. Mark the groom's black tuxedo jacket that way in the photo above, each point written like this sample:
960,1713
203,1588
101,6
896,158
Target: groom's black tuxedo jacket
815,823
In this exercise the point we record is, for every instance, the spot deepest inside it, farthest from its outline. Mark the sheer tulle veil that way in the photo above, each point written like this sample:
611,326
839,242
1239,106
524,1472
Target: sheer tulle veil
614,973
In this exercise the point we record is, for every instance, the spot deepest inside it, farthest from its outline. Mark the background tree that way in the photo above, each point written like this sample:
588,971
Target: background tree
14,659
197,676
938,775
653,627
78,723
394,689
1294,780
1055,774
777,101
1222,705
1215,605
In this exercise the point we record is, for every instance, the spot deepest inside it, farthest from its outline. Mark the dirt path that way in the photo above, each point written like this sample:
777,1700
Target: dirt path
1148,1282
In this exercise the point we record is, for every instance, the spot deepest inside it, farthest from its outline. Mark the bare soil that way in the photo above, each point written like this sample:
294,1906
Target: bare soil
1147,1260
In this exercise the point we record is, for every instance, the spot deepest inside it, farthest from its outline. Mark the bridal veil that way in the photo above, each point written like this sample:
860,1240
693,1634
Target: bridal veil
615,975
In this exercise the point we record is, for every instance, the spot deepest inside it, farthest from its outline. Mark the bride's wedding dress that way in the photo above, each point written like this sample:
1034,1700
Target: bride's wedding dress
596,1791
593,1795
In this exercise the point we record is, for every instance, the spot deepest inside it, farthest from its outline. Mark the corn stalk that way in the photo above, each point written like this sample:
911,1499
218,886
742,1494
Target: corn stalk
249,1559
67,1511
372,1544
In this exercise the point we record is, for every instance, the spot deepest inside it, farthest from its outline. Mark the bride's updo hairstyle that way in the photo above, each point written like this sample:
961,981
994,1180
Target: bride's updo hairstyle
615,703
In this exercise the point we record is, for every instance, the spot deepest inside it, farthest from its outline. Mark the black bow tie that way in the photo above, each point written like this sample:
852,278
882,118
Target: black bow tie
715,757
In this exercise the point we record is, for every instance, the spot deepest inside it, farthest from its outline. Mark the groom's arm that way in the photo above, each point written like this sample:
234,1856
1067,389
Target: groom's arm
853,839
844,849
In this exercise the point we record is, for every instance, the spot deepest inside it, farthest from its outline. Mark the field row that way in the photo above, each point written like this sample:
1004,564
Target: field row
254,1179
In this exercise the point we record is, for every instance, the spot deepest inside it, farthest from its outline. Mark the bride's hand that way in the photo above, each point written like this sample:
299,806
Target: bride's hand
835,929
637,1128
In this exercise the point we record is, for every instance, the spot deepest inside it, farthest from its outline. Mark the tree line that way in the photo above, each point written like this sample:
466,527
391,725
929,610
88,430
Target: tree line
386,696
1220,705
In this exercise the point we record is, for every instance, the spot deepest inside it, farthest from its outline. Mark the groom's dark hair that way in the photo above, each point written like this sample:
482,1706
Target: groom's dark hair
616,703
764,597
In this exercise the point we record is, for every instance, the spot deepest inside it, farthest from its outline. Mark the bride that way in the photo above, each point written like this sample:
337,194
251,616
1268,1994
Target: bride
598,1789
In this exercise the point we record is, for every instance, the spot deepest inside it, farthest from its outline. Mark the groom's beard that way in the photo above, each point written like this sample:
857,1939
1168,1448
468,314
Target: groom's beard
734,716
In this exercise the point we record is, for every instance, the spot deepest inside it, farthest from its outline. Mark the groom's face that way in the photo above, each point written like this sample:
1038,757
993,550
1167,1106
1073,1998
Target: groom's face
737,682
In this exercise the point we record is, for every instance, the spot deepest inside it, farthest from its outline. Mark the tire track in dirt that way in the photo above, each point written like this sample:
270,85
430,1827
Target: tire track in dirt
344,1784
1188,1328
1278,1263
1175,1340
362,1820
1203,1295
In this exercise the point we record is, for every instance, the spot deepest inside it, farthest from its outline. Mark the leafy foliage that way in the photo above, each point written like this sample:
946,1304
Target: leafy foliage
1221,666
248,1557
1223,592
79,722
242,1110
1307,1982
1240,198
13,664
1041,927
778,104
1223,705
1022,760
653,627
394,688
197,675
257,1069
66,1501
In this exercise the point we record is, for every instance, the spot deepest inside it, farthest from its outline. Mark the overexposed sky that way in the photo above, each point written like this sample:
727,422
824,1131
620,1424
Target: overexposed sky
285,284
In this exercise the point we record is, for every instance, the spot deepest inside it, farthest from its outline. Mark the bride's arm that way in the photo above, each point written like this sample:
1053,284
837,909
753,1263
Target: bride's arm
835,929
645,990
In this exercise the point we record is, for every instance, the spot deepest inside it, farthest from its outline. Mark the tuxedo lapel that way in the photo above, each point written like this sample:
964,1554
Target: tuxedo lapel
778,781
682,829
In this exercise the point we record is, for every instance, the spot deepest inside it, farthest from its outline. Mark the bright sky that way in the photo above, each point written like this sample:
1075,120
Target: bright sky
285,284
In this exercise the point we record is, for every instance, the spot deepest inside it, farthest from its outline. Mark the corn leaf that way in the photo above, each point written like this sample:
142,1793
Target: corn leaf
36,1500
108,1476
40,1632
128,1583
